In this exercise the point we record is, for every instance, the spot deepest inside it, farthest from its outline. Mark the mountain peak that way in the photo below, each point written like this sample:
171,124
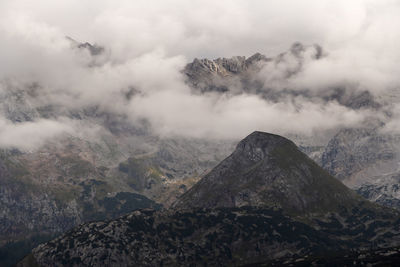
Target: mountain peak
268,170
223,66
93,49
258,145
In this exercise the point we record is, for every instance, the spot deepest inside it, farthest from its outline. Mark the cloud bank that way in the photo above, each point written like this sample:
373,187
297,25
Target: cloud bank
148,43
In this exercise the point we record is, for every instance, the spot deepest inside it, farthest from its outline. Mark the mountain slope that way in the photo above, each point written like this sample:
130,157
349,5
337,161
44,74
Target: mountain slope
269,171
366,160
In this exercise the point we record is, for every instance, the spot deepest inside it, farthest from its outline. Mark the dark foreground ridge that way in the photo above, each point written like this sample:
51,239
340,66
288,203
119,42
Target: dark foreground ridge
267,203
207,237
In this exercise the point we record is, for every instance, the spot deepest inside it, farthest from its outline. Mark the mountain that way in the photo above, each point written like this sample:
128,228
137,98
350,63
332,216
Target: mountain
268,77
385,190
268,170
73,179
222,73
367,160
284,214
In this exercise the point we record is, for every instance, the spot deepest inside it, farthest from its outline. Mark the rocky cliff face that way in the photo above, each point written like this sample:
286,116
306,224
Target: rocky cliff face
223,73
385,190
268,77
214,224
354,155
366,160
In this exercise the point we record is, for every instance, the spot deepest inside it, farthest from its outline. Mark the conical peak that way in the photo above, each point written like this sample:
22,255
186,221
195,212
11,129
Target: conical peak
258,145
269,170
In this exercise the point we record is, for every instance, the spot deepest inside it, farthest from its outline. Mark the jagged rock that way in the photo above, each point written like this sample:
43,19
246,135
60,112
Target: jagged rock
385,190
258,73
93,49
358,156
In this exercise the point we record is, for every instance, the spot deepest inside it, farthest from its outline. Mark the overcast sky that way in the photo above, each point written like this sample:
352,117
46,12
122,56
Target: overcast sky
148,42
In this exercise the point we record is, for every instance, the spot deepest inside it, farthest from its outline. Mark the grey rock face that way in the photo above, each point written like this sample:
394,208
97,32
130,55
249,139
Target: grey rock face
366,160
358,156
223,73
14,105
93,49
255,75
385,190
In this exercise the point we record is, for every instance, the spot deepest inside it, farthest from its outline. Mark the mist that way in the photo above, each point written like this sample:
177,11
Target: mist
148,43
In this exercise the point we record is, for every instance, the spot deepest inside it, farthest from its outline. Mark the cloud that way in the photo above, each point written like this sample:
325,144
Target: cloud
28,136
148,43
233,117
208,28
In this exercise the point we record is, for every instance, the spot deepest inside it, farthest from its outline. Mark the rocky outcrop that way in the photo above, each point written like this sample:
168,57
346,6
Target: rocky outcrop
366,160
385,190
269,78
357,156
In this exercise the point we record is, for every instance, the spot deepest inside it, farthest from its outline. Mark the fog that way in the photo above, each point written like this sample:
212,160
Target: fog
148,43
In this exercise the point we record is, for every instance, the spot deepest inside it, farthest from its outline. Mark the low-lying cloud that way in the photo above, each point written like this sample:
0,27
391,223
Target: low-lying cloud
148,43
30,135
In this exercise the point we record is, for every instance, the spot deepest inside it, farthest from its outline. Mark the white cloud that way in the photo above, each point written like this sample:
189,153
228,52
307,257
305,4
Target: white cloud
148,43
30,135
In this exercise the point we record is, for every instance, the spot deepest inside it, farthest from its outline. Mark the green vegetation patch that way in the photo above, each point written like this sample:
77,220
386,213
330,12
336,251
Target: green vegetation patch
140,172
